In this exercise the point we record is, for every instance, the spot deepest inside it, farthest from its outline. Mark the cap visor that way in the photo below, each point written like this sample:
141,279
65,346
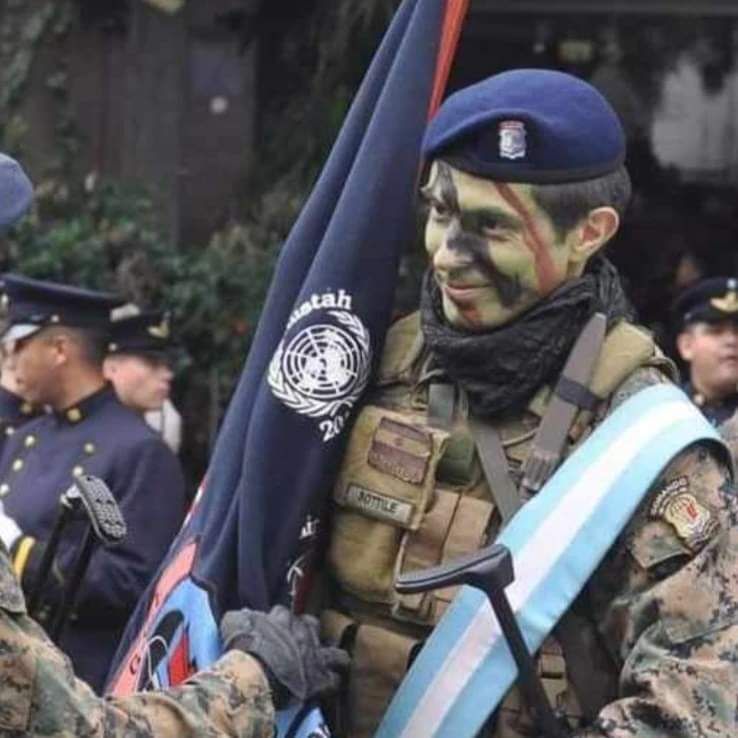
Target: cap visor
19,331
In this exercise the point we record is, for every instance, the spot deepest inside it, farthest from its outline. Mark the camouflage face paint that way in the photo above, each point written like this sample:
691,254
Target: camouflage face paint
509,288
490,249
464,239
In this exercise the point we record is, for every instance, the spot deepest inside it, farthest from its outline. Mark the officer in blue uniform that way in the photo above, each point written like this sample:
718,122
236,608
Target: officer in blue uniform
57,338
139,361
707,341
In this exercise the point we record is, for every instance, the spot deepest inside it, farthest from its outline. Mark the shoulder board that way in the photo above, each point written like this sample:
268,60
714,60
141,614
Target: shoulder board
626,348
402,347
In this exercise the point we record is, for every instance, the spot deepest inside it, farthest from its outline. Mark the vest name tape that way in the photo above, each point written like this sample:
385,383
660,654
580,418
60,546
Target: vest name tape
377,505
556,540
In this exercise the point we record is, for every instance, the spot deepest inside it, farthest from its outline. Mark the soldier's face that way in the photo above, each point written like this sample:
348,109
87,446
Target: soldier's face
33,361
712,352
494,252
142,383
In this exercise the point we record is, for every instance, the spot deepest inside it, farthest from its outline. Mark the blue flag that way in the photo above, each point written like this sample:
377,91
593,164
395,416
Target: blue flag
248,539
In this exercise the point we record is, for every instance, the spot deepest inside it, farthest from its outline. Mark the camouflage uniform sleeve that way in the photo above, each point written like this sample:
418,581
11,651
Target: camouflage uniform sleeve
41,697
666,603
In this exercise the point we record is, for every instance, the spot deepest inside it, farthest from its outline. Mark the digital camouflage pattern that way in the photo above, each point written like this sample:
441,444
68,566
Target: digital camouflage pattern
729,431
650,647
40,696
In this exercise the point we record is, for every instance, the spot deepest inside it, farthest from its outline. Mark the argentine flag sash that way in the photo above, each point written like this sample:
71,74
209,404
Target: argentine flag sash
556,540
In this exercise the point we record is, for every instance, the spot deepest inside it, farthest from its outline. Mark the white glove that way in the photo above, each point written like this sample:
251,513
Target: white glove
9,530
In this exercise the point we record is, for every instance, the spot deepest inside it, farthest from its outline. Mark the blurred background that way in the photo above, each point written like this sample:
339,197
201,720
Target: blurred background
173,142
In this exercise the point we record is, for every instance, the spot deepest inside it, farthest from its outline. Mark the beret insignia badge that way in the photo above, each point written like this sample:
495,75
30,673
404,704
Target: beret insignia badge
693,522
512,139
728,303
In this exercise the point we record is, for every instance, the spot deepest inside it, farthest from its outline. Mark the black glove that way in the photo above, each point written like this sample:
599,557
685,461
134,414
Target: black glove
289,647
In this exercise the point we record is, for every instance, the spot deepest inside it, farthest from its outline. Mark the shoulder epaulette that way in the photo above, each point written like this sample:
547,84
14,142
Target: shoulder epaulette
402,347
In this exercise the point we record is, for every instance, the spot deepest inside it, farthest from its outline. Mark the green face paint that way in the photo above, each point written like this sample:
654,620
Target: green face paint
494,252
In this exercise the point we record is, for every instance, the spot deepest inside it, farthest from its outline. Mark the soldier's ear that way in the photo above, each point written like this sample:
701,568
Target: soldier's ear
62,347
594,231
110,367
685,345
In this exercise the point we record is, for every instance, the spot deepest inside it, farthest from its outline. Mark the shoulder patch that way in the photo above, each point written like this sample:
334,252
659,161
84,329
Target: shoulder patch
694,523
401,450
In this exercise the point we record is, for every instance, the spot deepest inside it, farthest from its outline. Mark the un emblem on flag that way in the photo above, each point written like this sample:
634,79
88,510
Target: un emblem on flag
322,370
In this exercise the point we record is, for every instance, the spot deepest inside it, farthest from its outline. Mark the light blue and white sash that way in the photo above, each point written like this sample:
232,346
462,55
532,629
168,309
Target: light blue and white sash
557,540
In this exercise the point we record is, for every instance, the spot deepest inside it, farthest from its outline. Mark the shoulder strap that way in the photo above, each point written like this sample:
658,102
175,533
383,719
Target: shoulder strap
495,467
570,395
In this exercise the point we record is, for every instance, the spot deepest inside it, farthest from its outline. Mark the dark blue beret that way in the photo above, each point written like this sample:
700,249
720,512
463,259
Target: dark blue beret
709,301
528,125
16,191
32,304
147,333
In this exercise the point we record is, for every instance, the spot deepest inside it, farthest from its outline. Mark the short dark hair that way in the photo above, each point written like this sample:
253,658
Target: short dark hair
92,341
568,203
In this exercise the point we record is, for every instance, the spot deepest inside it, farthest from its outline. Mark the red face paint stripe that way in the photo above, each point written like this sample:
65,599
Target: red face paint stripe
533,240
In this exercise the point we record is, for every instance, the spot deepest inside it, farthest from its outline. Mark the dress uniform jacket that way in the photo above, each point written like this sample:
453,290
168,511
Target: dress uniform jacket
14,412
40,696
98,436
647,650
716,412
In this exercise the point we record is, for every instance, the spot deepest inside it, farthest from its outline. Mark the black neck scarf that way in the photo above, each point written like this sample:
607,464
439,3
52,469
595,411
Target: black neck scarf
502,369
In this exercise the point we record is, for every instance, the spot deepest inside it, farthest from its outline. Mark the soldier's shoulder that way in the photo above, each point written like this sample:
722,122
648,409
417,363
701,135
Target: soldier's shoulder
687,509
402,347
639,379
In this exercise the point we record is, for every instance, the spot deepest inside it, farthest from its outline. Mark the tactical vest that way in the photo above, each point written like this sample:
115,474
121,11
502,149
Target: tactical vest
412,494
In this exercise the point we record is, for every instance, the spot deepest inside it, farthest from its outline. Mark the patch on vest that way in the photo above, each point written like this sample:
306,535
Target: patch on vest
401,450
693,522
377,505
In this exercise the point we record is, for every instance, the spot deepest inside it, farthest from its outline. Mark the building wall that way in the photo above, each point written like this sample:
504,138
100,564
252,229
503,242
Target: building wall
166,100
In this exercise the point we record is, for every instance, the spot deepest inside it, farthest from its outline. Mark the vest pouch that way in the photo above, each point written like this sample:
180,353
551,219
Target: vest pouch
454,525
385,487
514,719
379,661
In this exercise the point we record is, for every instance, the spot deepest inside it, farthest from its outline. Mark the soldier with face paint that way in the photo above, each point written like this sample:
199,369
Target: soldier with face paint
525,187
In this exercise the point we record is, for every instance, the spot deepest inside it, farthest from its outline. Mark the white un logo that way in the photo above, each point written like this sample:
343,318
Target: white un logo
323,369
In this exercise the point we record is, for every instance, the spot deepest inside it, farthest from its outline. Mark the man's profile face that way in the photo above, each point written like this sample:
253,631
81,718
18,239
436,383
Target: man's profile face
33,360
712,352
494,252
141,382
